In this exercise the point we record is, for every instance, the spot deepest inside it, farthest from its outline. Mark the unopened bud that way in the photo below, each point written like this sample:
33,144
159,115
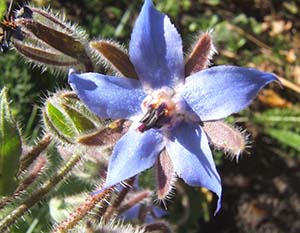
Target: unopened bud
44,31
67,118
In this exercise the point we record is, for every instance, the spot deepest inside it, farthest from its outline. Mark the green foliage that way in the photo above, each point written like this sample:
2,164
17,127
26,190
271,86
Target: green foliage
282,124
10,147
2,8
246,33
286,137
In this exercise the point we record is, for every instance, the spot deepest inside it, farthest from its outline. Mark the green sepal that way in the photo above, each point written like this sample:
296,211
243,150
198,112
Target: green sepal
10,147
79,114
67,118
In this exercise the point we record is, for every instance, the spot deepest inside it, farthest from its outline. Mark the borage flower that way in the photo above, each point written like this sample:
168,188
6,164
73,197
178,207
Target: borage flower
167,109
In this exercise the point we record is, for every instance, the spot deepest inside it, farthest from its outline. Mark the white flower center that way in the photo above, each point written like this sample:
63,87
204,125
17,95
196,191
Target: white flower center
162,108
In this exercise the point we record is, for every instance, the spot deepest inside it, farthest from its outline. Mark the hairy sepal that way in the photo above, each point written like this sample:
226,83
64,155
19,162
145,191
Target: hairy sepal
200,55
67,118
224,137
61,40
116,57
165,176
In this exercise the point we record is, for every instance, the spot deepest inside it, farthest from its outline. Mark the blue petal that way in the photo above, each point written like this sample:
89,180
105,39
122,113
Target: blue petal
156,49
220,91
159,212
192,158
133,153
131,214
107,96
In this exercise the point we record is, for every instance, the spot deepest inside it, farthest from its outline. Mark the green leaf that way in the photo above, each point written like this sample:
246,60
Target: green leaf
10,147
291,7
286,137
2,8
213,2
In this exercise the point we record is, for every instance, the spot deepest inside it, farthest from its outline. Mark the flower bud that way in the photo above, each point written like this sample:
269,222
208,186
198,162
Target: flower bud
67,118
48,39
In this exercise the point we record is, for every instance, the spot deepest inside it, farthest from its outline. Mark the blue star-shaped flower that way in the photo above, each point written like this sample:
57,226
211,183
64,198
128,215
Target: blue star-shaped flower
166,108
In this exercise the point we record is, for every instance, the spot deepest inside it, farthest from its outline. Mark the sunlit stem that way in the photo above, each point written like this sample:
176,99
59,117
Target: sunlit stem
39,194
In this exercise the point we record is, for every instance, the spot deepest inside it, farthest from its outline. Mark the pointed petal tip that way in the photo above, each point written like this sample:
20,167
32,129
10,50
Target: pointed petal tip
101,190
155,49
98,191
239,86
219,205
271,77
72,71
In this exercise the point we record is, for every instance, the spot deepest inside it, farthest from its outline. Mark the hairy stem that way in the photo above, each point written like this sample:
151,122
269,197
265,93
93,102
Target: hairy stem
37,196
116,204
139,197
34,152
82,211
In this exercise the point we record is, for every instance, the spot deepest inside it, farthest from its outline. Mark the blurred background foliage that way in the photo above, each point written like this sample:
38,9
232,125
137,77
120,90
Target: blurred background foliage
261,192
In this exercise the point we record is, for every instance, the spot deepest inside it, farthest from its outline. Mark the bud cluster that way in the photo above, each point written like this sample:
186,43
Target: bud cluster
47,39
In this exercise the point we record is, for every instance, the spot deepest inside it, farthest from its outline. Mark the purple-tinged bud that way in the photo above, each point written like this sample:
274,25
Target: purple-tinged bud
44,31
45,56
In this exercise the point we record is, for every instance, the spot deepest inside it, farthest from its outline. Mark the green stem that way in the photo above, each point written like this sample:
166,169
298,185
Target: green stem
36,196
124,20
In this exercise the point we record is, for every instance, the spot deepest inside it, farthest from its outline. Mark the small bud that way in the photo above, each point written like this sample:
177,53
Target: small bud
67,118
41,55
10,147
